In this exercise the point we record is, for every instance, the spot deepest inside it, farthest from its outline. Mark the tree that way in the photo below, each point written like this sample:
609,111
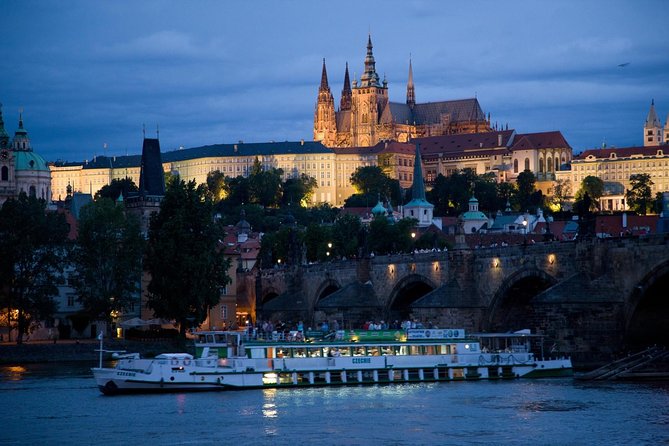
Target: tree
216,185
594,187
187,266
33,247
561,190
107,259
639,197
346,235
237,191
527,197
116,187
371,180
299,190
265,185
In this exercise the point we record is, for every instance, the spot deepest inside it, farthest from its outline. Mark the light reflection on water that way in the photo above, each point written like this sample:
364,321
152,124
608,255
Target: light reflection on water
62,403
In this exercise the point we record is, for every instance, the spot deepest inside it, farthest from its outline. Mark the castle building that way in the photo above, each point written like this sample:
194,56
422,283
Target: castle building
367,116
21,169
615,166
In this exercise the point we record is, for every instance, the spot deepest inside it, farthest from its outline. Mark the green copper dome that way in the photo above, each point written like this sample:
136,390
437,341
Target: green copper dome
29,161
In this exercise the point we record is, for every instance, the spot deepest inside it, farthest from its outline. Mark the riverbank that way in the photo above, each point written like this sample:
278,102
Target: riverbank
82,350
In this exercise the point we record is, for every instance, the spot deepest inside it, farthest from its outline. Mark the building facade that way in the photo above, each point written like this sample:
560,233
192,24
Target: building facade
653,133
615,166
367,116
21,169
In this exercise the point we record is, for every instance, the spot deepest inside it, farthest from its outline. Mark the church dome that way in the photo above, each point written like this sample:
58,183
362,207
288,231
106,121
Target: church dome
29,161
379,210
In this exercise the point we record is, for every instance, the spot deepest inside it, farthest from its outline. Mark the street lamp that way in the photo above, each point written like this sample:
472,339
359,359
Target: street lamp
525,231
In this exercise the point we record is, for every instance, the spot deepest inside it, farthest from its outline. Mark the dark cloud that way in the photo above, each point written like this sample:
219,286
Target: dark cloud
209,72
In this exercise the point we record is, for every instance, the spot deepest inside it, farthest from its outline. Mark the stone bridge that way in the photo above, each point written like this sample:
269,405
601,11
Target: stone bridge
593,298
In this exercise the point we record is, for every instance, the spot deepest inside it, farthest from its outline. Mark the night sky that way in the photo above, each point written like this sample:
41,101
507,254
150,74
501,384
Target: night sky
90,73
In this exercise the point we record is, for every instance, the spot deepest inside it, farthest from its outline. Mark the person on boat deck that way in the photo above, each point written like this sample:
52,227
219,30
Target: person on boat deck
300,326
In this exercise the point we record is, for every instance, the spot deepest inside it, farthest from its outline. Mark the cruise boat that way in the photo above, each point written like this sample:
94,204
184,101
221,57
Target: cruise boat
230,360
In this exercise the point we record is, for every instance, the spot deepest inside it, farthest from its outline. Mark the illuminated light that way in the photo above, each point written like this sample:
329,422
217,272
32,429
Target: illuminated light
329,245
413,235
466,346
278,261
551,259
269,378
495,263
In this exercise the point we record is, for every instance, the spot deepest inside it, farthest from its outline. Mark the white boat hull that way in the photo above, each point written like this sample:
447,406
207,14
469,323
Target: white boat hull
160,375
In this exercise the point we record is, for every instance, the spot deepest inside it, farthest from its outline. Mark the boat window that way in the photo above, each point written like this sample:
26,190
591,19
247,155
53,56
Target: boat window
315,352
444,350
210,338
387,350
219,338
415,350
429,350
359,351
299,353
373,351
401,350
345,351
282,352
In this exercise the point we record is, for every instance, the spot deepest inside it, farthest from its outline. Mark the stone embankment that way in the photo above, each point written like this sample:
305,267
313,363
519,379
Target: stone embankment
36,352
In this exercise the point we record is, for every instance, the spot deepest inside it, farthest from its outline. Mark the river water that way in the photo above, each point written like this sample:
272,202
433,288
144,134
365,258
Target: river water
60,404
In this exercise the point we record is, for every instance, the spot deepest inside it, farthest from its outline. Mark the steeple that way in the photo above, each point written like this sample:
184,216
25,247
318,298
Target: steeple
369,77
324,79
418,187
411,94
345,103
21,140
652,129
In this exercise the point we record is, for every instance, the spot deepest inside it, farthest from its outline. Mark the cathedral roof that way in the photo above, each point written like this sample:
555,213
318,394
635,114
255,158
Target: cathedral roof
542,140
343,118
28,160
460,110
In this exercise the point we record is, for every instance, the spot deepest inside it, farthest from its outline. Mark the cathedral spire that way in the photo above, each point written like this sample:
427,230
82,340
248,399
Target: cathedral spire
411,94
324,79
346,93
369,77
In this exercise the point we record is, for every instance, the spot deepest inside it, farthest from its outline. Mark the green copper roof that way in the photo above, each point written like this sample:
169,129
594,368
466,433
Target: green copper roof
29,161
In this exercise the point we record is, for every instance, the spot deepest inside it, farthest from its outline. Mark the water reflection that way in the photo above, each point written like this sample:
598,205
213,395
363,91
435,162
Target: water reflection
13,373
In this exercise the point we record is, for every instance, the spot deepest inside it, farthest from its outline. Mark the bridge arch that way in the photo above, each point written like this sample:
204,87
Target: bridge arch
647,309
510,308
407,291
268,295
326,288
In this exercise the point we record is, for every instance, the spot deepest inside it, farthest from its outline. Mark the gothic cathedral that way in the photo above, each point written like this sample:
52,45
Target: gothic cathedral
366,116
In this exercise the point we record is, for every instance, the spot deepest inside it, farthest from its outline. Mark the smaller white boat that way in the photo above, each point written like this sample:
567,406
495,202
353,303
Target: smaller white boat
229,360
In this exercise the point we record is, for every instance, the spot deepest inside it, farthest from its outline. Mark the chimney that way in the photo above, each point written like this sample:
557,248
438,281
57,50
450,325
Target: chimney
499,140
624,219
235,148
301,142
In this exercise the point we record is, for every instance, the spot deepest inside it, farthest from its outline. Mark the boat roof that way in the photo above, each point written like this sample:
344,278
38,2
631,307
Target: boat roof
174,356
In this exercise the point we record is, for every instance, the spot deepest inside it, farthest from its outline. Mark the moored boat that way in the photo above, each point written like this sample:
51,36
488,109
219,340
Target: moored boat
230,360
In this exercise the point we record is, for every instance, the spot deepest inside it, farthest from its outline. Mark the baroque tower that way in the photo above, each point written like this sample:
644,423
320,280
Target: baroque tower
325,124
652,130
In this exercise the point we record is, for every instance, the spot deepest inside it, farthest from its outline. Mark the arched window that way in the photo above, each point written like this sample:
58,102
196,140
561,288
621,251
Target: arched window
549,164
557,163
5,173
527,164
32,192
541,165
515,166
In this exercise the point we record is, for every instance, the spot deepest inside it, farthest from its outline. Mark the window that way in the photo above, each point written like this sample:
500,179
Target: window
527,164
224,312
515,166
5,173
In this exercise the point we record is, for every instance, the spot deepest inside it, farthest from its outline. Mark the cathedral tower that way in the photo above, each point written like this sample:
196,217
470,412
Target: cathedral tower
369,98
325,124
652,130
